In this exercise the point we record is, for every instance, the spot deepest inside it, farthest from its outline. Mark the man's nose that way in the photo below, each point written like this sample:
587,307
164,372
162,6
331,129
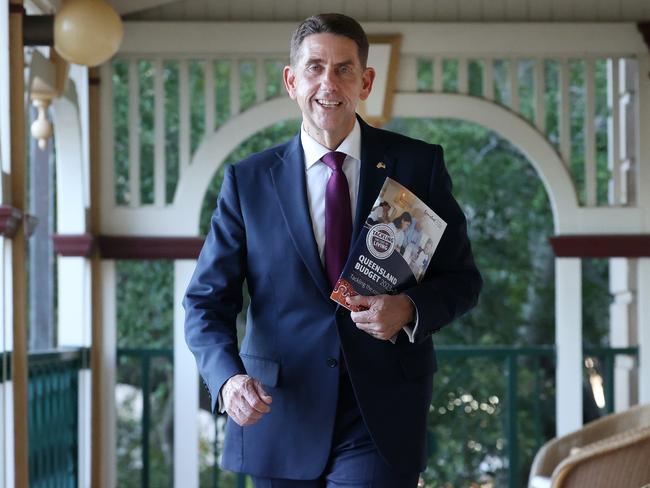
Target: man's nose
328,79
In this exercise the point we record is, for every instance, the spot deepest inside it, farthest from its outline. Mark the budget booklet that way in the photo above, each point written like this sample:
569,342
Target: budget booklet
395,247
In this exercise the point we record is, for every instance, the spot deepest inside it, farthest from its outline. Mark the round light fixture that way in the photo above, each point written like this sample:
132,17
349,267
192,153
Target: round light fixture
87,32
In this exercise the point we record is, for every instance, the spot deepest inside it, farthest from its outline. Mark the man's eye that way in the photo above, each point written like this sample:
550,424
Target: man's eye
313,68
344,70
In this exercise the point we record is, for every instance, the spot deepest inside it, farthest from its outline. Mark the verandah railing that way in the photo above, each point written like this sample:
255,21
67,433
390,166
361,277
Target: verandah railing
52,414
493,407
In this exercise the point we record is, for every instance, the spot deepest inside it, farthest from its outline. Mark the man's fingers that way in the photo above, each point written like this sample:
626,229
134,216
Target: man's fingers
266,398
366,316
253,398
243,414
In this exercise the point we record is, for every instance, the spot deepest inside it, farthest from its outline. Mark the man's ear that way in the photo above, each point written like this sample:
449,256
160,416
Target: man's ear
367,79
289,78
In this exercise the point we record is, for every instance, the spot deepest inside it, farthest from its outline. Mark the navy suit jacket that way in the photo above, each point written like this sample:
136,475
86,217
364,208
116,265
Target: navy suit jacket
261,232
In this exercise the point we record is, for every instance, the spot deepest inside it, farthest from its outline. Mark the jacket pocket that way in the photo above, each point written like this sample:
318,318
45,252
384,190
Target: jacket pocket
419,363
266,371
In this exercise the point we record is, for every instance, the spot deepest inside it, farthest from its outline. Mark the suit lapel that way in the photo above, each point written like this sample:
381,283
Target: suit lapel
376,165
289,181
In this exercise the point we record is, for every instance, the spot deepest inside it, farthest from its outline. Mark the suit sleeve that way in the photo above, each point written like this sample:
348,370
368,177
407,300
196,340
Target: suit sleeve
214,296
452,282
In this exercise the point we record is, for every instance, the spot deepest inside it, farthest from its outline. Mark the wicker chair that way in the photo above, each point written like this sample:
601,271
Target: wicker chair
613,451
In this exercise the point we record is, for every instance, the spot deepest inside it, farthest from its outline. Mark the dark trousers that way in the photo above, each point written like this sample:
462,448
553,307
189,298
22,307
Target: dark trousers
354,461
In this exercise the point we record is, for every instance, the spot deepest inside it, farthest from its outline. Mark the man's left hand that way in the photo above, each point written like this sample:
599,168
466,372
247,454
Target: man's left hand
385,315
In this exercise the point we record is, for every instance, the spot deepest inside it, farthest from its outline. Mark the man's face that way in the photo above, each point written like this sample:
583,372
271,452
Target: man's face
327,81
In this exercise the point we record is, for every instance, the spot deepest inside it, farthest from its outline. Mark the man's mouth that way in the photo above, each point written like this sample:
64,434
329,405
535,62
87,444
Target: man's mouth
327,103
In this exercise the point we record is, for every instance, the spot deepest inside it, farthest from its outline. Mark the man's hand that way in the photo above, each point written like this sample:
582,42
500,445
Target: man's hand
385,315
245,400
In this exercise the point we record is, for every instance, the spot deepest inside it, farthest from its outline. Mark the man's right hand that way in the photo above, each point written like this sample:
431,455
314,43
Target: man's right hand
245,400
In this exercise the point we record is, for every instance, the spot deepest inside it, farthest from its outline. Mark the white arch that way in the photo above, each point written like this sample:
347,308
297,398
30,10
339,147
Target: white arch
543,156
545,159
214,149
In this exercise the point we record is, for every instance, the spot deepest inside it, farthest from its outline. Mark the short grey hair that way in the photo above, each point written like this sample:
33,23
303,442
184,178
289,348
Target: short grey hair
338,24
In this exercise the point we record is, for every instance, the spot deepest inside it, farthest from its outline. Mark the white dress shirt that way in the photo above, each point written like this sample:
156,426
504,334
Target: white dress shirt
317,175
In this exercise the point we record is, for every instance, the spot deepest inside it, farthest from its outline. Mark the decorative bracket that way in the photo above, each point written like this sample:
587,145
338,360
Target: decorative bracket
10,217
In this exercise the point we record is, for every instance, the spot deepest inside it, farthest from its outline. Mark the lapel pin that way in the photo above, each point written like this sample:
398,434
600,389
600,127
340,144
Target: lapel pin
381,165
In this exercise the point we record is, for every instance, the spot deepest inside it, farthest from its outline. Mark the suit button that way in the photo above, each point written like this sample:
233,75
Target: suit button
332,363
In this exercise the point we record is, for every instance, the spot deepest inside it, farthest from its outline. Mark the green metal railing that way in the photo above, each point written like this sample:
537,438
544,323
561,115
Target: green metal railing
144,358
522,379
527,414
53,416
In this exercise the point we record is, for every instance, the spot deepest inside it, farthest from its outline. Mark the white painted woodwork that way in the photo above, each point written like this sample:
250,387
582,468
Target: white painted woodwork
507,124
186,389
126,7
541,11
134,135
357,10
106,144
643,327
590,133
5,126
407,79
539,90
513,72
445,9
565,112
463,80
568,344
6,388
515,10
241,9
84,419
630,131
260,80
71,177
403,12
641,140
380,9
392,10
622,328
108,360
183,115
488,79
235,88
8,420
437,75
73,324
209,96
159,169
422,39
613,128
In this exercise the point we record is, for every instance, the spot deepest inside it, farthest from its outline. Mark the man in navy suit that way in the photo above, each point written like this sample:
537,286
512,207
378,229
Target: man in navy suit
316,395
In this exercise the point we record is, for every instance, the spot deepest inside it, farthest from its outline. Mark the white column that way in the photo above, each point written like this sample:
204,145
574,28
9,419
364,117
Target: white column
622,332
186,389
6,388
108,352
643,323
568,343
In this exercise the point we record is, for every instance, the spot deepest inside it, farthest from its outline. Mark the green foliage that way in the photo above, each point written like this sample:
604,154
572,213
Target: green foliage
146,107
170,85
510,221
121,130
262,140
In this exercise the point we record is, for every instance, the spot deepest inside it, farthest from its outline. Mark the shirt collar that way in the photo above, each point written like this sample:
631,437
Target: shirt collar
314,150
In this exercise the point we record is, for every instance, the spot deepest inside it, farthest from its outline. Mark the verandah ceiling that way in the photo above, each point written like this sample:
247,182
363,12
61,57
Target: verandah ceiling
380,10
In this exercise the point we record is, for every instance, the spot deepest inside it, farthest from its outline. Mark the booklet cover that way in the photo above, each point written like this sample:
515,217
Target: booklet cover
395,247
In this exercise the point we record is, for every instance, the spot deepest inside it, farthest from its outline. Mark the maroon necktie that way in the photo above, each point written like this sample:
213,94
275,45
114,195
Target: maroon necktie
338,217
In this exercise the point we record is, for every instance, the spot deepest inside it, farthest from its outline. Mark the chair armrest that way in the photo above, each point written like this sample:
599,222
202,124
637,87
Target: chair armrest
539,482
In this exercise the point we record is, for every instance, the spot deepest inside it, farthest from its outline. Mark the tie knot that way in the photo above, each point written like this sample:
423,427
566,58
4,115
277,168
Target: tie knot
334,160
